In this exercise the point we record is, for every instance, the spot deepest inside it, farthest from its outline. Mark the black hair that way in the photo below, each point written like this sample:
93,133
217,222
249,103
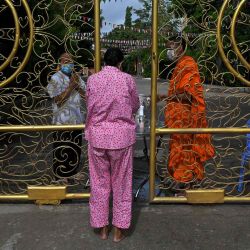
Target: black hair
90,63
113,56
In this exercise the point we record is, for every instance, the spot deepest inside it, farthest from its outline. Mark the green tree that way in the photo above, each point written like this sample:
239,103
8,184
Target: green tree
131,32
144,14
128,17
137,30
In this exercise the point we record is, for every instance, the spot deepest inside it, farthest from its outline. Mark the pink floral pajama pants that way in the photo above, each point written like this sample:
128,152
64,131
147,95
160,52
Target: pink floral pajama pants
110,170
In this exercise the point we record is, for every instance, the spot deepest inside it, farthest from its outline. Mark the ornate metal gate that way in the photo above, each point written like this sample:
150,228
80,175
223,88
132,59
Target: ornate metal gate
216,33
30,45
38,33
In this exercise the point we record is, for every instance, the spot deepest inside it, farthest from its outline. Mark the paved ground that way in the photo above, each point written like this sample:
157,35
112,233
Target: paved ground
173,227
184,227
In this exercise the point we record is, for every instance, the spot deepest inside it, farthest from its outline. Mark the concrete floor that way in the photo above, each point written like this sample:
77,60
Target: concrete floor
175,227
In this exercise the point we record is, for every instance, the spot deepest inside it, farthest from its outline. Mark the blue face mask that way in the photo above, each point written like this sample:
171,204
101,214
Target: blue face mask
67,68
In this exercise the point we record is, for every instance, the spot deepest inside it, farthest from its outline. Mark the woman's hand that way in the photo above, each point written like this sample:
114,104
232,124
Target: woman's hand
74,80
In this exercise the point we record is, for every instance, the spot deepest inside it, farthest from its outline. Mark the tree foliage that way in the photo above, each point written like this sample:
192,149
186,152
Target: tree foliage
140,29
128,17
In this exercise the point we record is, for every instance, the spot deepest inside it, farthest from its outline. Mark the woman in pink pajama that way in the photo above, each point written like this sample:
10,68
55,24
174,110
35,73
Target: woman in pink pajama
112,99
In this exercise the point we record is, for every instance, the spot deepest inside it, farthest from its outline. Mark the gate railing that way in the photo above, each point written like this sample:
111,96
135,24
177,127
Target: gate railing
53,194
45,194
200,195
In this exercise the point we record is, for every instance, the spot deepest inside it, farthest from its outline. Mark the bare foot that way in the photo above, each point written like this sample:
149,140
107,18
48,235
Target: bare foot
118,235
104,233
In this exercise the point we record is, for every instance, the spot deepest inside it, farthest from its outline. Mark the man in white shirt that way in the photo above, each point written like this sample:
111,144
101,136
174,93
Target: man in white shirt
67,90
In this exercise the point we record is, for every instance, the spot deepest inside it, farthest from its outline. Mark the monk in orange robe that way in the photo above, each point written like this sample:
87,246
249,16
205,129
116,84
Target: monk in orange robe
186,109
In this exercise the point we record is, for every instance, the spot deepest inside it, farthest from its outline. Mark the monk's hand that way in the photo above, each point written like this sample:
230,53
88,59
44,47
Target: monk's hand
161,97
184,96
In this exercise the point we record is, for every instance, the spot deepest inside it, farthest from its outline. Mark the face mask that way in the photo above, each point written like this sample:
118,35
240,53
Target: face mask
67,68
171,55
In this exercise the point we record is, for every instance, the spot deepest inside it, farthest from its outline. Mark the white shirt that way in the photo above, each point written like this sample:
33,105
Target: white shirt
71,111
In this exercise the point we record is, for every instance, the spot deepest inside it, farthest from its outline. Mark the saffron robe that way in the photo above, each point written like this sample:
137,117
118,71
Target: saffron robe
186,109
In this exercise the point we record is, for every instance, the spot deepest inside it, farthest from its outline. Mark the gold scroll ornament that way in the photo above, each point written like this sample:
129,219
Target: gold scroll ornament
232,36
16,42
